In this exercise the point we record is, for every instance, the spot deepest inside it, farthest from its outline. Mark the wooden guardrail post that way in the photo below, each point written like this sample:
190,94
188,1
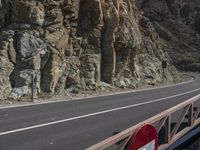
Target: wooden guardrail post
191,115
168,129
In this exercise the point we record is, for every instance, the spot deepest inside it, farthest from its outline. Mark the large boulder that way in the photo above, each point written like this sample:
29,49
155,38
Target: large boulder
90,67
51,72
5,85
6,63
29,53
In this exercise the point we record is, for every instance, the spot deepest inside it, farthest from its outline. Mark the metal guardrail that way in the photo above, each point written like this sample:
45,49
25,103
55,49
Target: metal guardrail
189,114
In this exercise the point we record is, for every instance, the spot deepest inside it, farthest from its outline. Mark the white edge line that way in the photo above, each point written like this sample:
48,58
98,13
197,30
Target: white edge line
94,114
109,94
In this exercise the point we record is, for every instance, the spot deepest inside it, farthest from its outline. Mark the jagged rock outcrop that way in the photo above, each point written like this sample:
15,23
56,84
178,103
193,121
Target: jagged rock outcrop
178,23
76,44
7,60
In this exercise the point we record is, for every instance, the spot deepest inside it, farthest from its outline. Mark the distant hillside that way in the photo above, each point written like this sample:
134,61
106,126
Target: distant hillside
178,23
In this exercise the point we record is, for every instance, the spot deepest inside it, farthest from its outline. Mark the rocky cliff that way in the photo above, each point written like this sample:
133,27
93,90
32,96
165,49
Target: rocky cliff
178,23
79,44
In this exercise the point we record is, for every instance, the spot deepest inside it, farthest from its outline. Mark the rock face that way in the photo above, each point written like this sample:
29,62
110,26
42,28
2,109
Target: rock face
178,24
76,44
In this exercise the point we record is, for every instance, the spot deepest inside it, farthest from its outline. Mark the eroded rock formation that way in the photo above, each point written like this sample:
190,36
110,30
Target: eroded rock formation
77,44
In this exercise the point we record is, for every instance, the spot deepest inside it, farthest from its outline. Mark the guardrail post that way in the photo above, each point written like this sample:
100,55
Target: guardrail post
196,114
168,129
190,115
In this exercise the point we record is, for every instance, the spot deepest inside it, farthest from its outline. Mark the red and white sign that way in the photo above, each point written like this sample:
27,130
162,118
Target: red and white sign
145,138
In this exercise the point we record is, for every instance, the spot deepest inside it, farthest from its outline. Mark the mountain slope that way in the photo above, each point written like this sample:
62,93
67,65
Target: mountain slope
178,24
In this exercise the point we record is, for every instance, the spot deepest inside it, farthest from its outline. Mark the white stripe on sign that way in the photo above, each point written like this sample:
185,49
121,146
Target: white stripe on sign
149,146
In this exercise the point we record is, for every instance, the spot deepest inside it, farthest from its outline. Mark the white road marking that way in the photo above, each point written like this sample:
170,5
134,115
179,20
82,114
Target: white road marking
97,113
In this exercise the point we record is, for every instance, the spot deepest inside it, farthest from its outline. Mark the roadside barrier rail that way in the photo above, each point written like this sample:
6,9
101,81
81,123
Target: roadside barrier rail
188,114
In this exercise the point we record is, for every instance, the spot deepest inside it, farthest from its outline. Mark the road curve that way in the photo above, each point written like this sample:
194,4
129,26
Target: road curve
75,125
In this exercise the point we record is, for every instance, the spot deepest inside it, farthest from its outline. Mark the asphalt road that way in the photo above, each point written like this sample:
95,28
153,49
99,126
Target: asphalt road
76,125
